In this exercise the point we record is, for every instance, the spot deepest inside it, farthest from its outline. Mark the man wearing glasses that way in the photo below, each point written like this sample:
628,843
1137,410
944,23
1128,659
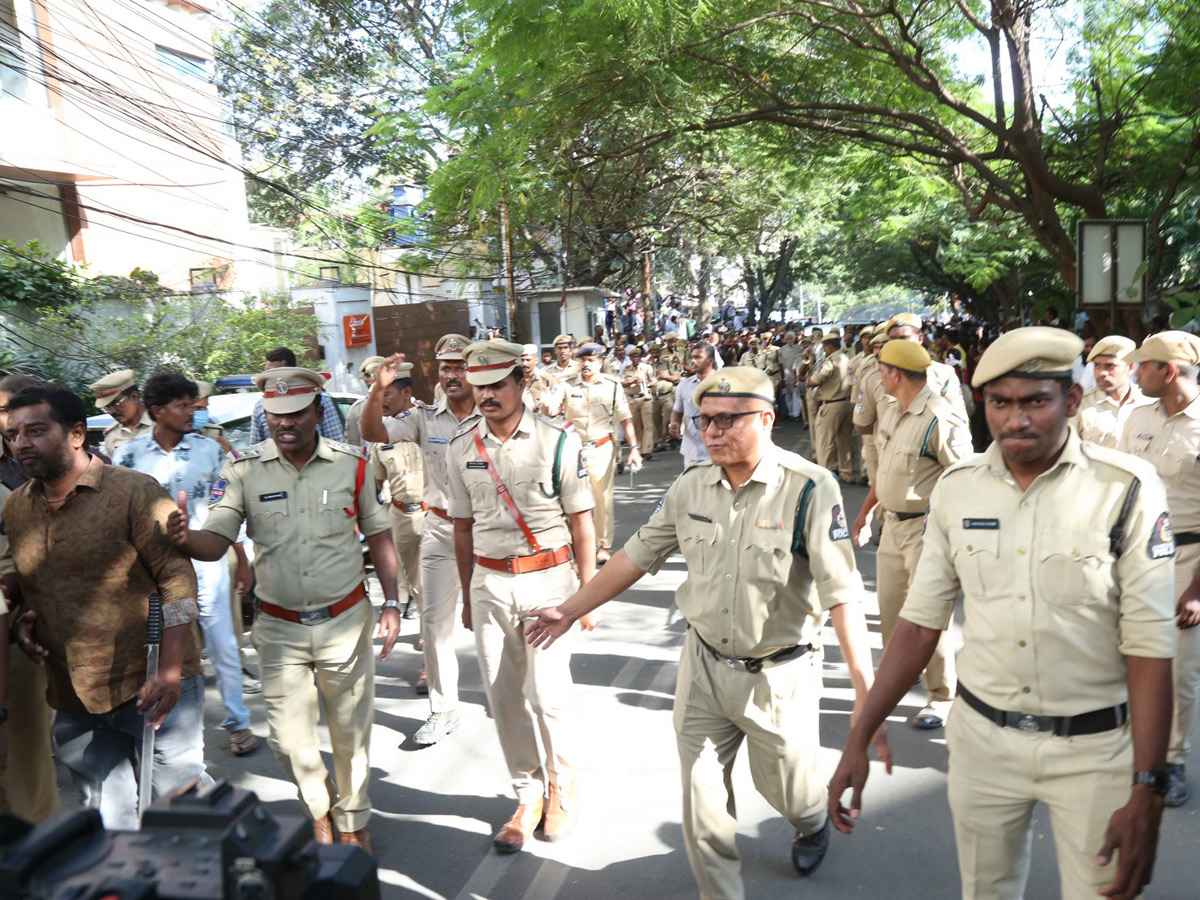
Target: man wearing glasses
759,527
117,394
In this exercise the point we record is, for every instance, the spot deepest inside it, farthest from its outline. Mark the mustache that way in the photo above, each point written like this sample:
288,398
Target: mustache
489,404
1017,435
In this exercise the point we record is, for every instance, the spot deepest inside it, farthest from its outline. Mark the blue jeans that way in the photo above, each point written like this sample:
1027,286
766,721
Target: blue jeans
216,623
102,753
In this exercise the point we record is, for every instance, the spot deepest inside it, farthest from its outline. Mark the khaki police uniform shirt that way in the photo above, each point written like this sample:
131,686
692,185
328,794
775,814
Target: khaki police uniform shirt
354,422
431,427
525,463
118,435
400,467
307,554
1049,613
212,431
746,593
869,398
554,370
1172,446
944,381
1101,419
915,446
641,381
592,407
833,378
536,387
668,363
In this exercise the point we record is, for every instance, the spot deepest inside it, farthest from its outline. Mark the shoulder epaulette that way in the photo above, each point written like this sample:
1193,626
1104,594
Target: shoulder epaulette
466,429
1126,462
248,453
545,420
112,426
345,448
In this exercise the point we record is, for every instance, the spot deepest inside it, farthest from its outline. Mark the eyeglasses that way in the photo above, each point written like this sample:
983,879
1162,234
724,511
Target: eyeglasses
723,421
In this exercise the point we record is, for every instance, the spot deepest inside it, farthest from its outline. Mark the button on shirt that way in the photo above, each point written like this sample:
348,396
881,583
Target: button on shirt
1101,419
746,593
431,427
307,555
592,406
525,463
1049,613
691,444
915,446
1172,446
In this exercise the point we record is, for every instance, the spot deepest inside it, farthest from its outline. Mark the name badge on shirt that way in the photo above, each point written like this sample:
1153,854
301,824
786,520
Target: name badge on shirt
985,524
435,440
476,465
1143,437
274,495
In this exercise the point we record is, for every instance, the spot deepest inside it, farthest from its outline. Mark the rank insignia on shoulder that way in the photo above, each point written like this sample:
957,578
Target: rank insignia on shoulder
838,529
1162,539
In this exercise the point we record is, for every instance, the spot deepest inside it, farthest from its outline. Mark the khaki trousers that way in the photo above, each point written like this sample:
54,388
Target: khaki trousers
998,774
662,416
528,688
440,593
643,423
601,468
28,788
870,457
836,431
406,536
814,424
895,563
776,712
340,655
1187,663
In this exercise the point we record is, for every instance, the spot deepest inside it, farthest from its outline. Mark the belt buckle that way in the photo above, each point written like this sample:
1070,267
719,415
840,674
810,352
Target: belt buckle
509,562
1028,724
314,616
753,666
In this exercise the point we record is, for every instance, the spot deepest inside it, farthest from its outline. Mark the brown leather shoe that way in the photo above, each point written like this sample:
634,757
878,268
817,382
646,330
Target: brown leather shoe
361,838
323,830
519,828
562,811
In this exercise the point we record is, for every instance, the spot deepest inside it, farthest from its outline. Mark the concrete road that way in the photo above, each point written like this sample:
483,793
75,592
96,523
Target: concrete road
437,808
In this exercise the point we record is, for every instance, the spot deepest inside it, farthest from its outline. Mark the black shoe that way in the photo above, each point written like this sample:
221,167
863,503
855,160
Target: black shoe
807,852
1177,789
410,609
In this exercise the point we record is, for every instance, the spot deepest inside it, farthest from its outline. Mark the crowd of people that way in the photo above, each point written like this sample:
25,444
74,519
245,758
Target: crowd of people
1048,479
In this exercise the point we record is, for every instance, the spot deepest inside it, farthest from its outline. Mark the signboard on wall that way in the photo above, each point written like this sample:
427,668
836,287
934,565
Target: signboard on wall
357,329
1111,253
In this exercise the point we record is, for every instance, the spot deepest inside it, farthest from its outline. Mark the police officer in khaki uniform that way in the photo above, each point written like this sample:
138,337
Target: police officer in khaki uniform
539,394
431,428
941,378
759,529
811,360
400,475
869,399
301,497
1105,408
368,369
1068,634
669,370
563,366
1166,434
834,410
204,425
918,437
593,403
117,394
514,555
639,381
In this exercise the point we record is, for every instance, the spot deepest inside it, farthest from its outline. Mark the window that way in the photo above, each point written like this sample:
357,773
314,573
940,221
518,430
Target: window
182,63
14,78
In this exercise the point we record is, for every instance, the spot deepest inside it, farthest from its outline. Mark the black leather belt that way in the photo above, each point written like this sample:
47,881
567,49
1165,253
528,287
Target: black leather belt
754,664
821,403
1063,726
904,517
1183,538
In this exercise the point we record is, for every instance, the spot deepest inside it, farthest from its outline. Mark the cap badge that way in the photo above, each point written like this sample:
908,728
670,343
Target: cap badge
452,345
281,387
723,386
483,360
1031,365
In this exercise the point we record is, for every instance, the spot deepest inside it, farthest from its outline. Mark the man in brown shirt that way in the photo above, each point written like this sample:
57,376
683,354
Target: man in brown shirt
88,546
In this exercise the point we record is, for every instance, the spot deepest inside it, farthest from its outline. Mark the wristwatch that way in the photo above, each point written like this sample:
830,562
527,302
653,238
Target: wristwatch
391,604
1157,781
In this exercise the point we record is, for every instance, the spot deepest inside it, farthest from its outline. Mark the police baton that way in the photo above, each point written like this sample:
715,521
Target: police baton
154,629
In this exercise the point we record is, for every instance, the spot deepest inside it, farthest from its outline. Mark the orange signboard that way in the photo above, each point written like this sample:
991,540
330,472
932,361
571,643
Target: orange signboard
358,330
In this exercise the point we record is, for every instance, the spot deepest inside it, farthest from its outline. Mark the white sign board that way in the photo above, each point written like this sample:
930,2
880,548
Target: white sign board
1111,253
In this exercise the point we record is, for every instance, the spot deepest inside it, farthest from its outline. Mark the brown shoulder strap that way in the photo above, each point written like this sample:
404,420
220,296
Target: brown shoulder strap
504,494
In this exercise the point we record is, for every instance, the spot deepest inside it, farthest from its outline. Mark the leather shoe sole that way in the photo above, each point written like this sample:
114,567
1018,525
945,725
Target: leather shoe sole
808,851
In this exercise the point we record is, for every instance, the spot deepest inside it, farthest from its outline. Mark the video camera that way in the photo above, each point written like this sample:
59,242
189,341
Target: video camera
212,844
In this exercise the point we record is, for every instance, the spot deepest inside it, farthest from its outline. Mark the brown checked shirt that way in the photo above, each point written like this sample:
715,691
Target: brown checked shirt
88,571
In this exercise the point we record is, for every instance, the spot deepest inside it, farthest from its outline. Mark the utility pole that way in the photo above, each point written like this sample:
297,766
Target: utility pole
510,275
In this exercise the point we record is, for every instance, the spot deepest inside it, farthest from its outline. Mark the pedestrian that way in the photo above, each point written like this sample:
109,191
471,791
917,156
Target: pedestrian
117,394
399,472
1068,633
759,528
638,380
329,422
1166,433
593,403
1105,408
181,460
430,427
668,373
202,422
684,427
919,436
538,385
564,365
87,547
942,378
367,369
869,400
302,499
789,354
834,414
508,573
